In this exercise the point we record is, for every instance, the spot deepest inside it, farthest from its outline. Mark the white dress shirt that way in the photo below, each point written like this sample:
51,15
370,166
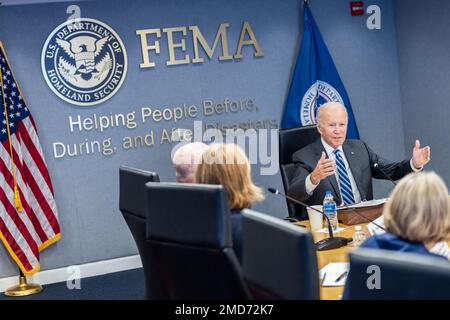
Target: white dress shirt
310,187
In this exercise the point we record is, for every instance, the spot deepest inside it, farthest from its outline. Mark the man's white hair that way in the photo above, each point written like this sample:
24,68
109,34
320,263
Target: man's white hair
186,158
327,107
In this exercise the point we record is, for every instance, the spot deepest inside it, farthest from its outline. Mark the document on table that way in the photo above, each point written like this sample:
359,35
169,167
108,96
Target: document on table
335,274
364,204
441,248
325,230
374,229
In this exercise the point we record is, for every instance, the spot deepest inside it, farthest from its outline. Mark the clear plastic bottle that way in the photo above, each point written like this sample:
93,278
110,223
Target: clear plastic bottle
358,237
329,208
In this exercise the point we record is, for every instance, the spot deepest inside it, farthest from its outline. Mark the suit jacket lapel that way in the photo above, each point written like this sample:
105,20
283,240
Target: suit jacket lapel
352,159
331,179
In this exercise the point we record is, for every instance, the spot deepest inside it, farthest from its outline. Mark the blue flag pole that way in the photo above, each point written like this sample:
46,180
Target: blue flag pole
315,81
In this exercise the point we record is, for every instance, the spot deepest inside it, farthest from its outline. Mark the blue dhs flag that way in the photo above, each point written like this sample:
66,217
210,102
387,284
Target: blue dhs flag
315,81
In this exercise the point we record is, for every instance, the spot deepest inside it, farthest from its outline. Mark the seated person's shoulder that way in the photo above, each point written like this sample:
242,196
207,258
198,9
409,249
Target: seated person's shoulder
371,242
355,142
305,151
384,240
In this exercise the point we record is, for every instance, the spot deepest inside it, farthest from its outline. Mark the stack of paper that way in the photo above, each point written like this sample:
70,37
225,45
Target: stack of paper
374,229
325,230
364,204
334,274
442,249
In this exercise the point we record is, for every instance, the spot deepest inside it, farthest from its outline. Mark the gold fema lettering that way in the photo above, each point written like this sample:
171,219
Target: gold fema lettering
172,46
247,38
246,29
197,37
146,47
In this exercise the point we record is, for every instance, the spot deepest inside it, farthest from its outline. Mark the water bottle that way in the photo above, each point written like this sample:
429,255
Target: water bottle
329,208
358,237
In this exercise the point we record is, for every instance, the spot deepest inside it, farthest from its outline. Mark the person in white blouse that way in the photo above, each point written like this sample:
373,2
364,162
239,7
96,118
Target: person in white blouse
344,167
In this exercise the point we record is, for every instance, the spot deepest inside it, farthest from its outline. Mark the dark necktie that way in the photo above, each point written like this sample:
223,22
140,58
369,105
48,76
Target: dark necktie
344,181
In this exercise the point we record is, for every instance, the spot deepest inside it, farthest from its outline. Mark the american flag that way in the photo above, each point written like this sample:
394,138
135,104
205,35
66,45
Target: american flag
28,217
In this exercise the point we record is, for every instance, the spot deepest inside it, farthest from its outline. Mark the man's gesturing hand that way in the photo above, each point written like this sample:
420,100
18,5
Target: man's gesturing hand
420,156
324,168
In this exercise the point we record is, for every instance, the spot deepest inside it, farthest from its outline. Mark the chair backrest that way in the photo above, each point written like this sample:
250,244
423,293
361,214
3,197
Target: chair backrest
290,141
133,208
279,258
190,232
397,275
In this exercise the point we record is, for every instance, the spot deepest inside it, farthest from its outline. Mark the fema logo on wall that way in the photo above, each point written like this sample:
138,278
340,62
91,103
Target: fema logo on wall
84,61
319,93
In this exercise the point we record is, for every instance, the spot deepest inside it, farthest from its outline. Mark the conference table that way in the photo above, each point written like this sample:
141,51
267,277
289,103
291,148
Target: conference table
334,255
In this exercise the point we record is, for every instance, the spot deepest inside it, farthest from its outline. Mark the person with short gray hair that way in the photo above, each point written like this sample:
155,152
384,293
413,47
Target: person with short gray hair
185,160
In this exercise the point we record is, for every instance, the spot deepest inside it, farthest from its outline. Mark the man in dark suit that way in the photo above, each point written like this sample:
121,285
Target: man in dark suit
344,167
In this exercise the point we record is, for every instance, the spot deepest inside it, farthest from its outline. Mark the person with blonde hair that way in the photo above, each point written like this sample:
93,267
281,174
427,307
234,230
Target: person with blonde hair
416,217
227,165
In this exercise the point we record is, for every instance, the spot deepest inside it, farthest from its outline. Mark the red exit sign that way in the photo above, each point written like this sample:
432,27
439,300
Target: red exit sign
356,8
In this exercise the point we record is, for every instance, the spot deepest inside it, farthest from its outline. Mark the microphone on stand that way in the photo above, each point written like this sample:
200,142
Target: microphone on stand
325,244
376,166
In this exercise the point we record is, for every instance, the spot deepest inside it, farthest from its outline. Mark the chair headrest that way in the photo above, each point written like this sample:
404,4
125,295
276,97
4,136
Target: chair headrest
270,242
396,260
264,220
401,275
132,189
261,225
291,140
191,214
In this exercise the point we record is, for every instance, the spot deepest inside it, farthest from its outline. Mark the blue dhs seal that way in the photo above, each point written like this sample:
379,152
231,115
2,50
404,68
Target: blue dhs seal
319,93
84,61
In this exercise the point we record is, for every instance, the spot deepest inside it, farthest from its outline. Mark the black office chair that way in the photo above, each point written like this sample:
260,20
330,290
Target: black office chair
132,206
279,259
190,233
291,140
397,275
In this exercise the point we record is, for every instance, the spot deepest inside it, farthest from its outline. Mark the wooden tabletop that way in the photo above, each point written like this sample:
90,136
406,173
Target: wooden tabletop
334,255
